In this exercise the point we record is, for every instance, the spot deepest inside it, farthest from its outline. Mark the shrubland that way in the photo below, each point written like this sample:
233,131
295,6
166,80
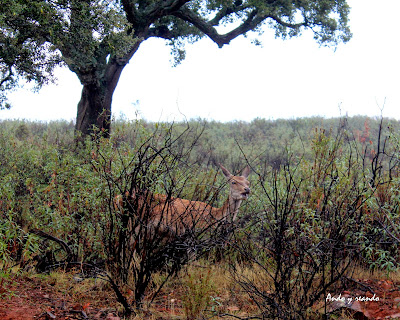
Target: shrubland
324,202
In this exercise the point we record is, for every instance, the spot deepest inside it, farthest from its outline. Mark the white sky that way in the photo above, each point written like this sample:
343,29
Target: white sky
283,79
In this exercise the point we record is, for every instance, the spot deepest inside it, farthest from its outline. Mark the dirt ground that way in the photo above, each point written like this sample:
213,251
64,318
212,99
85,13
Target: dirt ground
28,299
367,299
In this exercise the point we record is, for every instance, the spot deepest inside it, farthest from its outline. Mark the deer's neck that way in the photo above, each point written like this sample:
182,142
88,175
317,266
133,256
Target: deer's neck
229,210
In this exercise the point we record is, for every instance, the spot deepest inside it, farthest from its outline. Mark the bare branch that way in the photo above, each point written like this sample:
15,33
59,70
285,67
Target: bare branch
62,243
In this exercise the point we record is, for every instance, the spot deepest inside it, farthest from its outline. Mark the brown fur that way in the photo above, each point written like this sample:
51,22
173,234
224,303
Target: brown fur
178,215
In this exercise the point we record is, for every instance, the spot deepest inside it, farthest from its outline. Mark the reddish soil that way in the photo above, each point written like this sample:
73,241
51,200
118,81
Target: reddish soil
28,299
368,299
32,299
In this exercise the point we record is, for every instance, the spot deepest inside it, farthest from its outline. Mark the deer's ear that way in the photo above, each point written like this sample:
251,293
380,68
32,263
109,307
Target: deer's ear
227,174
246,172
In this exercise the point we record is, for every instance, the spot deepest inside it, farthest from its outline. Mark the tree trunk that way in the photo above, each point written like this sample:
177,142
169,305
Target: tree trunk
94,110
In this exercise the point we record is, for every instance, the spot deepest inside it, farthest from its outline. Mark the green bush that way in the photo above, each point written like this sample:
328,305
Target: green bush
338,182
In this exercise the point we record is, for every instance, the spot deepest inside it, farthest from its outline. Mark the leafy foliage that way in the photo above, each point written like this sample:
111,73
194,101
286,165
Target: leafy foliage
97,38
25,51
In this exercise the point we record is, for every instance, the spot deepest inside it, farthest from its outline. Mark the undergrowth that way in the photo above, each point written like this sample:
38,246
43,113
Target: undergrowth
337,190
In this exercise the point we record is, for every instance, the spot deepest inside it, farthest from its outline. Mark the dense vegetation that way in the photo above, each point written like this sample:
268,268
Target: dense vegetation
325,199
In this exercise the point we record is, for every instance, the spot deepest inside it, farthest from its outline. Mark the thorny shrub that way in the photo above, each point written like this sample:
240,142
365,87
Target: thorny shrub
135,245
312,224
312,217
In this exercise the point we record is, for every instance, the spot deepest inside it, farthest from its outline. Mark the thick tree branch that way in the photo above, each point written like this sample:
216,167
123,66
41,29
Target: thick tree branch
253,20
131,11
163,8
152,12
161,32
289,25
224,12
207,28
8,77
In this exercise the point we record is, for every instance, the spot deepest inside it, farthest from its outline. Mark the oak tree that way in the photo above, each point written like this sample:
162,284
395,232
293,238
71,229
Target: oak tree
96,39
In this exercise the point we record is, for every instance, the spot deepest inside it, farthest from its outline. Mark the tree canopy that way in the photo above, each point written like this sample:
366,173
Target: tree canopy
95,39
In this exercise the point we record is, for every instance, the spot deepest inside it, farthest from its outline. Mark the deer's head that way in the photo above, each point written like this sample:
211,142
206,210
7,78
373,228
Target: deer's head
239,185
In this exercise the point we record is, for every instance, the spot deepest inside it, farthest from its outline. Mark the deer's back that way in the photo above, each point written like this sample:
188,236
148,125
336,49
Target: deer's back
181,214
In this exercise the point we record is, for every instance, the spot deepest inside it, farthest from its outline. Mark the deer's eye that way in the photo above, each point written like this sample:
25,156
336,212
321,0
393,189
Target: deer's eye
233,182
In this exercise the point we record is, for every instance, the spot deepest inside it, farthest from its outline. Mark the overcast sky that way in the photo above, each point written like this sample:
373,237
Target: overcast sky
282,79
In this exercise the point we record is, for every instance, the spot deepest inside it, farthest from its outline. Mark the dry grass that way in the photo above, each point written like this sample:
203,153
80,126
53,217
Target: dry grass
204,290
201,290
210,291
360,273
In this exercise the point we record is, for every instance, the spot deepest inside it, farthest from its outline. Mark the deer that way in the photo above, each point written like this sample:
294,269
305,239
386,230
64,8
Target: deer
176,215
